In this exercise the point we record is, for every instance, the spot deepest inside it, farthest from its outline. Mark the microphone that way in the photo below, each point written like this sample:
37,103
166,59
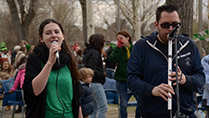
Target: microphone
57,52
173,32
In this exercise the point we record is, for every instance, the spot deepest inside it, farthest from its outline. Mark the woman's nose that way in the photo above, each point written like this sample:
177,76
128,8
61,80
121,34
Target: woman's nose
53,34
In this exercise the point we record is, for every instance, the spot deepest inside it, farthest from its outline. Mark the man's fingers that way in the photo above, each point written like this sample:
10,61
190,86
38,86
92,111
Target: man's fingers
165,88
162,96
179,70
165,93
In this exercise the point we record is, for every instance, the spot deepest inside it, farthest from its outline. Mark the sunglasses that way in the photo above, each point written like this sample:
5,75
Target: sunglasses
167,25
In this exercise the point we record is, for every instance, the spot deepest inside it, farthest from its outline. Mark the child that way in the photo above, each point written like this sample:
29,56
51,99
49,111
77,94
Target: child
86,98
6,72
19,80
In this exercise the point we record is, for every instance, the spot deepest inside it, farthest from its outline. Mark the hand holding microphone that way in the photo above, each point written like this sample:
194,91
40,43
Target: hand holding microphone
57,52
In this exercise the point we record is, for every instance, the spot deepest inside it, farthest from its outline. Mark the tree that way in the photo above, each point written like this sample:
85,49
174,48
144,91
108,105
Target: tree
84,10
7,31
185,10
90,20
138,13
105,14
21,17
64,11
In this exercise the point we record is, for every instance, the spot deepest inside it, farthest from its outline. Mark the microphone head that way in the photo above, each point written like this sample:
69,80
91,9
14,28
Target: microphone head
57,53
171,35
54,42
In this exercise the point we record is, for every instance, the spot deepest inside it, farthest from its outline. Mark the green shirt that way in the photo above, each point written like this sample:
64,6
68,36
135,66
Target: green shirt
54,108
119,56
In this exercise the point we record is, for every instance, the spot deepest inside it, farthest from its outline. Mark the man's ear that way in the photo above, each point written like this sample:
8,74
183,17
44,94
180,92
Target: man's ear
156,25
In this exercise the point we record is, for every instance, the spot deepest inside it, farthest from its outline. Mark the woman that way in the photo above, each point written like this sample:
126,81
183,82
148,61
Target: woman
92,59
51,89
120,55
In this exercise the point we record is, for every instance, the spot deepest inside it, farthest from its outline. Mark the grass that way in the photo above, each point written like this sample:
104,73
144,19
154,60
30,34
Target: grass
113,110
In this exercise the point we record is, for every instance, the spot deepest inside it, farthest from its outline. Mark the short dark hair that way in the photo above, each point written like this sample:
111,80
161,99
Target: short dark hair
126,34
167,8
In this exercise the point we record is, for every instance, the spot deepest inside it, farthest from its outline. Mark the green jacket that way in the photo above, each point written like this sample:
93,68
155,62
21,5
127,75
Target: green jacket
119,56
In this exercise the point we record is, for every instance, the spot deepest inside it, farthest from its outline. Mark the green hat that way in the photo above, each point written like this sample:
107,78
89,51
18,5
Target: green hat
4,48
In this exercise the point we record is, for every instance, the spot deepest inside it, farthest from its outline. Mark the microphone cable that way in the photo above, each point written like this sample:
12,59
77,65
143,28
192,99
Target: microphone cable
58,93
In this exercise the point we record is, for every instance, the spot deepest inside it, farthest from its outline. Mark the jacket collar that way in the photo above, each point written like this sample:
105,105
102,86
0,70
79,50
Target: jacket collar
151,40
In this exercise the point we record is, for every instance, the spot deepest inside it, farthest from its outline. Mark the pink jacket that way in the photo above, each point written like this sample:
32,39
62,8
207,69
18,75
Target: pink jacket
19,79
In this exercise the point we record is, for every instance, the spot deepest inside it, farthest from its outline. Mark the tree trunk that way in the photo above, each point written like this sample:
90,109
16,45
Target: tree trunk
200,24
118,16
83,6
208,15
15,20
21,24
137,31
136,21
185,10
27,19
90,16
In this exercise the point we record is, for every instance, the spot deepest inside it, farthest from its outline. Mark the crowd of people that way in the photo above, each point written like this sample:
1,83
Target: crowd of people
60,81
12,64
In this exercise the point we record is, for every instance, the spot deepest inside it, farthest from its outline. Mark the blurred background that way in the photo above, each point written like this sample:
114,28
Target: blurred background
20,19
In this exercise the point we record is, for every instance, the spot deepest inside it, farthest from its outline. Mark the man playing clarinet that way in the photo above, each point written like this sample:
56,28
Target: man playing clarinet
148,69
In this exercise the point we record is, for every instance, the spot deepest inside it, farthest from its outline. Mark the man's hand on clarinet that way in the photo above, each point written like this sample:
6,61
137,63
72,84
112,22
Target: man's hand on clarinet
162,90
181,77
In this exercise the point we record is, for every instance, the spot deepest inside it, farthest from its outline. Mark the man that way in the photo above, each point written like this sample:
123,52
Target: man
148,69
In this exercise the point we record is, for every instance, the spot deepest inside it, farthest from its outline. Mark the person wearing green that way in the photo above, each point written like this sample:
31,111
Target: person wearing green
120,55
52,89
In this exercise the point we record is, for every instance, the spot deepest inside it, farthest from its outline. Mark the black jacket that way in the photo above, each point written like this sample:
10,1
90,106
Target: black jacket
35,105
92,59
109,64
86,100
148,67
